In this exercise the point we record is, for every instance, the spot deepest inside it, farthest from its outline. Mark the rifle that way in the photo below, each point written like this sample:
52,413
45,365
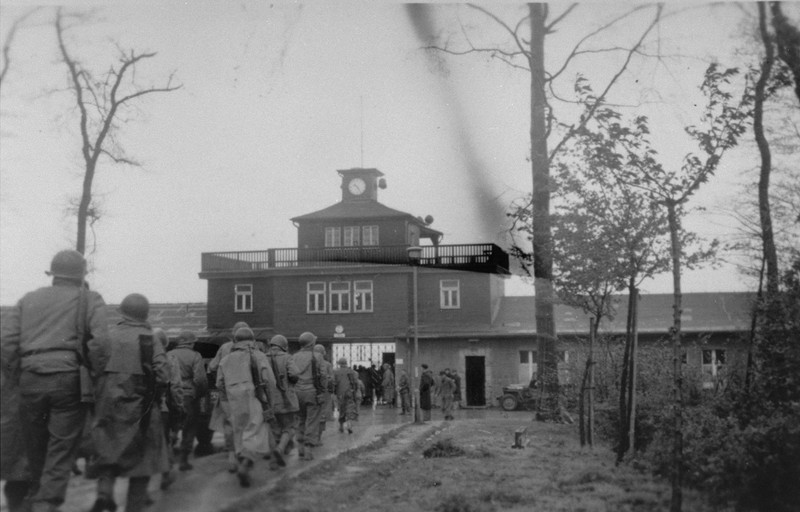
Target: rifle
85,369
261,392
317,376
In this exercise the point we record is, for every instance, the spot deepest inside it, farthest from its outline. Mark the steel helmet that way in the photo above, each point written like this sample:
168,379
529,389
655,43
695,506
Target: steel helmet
237,326
68,264
307,339
135,306
244,333
319,349
342,361
280,341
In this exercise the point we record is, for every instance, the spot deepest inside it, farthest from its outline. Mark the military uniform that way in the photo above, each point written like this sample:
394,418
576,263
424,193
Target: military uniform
235,380
284,399
127,431
309,388
326,409
40,345
195,387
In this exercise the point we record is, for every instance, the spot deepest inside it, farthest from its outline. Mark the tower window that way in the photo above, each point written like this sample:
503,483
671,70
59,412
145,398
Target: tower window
369,235
333,237
351,236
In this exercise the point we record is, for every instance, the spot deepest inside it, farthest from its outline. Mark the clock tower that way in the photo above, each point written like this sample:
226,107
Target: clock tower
361,184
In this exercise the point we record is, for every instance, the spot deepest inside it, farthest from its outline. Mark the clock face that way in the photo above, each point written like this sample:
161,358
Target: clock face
356,186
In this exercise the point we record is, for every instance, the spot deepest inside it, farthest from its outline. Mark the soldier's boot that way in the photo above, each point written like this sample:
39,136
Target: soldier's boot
349,427
15,492
167,479
184,465
289,446
105,495
280,449
307,455
243,471
232,464
341,427
137,494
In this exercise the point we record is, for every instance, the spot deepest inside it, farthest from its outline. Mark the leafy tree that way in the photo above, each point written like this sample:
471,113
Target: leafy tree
100,100
636,164
524,49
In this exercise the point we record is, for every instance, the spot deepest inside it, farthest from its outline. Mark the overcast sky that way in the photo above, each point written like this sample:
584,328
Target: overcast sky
275,99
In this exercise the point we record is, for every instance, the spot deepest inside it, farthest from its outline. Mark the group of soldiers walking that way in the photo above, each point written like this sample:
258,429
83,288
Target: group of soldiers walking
65,374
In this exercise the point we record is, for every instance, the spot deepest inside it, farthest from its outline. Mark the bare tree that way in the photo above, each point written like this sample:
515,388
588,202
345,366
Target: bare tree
8,43
100,101
526,51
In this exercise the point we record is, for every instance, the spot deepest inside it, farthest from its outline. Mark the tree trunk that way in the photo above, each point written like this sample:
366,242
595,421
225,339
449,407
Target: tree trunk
83,208
623,384
542,236
767,236
634,299
677,360
595,321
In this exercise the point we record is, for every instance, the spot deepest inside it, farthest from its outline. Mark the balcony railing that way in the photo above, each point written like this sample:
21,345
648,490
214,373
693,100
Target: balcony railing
474,257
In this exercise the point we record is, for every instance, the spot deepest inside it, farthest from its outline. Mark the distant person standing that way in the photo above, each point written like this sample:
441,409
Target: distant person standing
46,338
425,389
388,384
346,388
127,432
376,394
195,387
246,379
326,412
310,386
284,400
405,392
447,387
457,393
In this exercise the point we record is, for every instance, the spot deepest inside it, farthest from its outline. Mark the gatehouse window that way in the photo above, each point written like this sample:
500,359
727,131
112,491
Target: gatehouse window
243,302
362,300
339,297
449,294
316,297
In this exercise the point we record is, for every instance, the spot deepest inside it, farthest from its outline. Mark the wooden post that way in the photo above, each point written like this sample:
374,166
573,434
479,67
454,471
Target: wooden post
592,336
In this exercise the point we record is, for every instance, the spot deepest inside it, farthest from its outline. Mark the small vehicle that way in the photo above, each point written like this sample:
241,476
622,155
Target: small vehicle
518,396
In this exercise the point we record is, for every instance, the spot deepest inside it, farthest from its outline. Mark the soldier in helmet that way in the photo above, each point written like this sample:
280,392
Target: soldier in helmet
246,380
311,384
195,387
284,400
46,338
346,388
220,415
127,431
326,412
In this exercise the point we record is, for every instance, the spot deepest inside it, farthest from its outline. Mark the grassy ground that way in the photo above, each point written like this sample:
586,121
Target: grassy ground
482,474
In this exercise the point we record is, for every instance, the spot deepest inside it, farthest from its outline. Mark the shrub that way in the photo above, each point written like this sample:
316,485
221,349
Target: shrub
443,448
